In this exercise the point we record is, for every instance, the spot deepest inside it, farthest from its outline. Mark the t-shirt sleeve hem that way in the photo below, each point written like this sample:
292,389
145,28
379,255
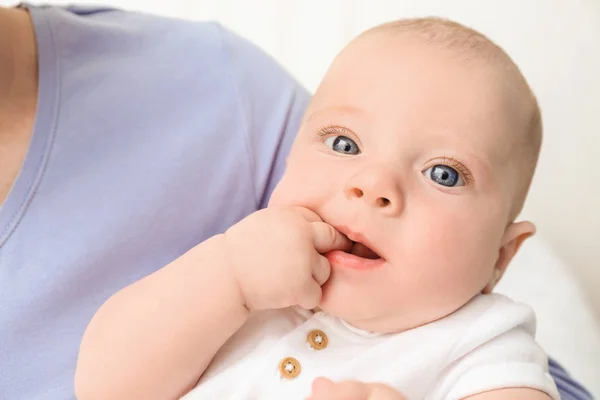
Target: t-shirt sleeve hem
503,376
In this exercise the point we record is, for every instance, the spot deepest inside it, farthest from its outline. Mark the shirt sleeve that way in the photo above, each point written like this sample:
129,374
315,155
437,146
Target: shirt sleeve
497,353
271,104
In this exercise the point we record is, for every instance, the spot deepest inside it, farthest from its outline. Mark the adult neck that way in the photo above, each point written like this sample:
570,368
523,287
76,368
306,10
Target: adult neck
18,92
18,59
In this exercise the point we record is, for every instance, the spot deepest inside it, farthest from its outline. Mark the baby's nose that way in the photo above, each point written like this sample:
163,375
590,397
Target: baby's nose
376,187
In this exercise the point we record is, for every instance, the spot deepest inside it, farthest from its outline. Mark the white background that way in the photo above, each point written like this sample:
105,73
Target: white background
557,45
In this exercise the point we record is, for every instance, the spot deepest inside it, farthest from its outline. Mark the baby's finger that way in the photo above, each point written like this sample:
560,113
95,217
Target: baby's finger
321,269
326,238
379,391
320,389
310,297
321,385
309,215
346,390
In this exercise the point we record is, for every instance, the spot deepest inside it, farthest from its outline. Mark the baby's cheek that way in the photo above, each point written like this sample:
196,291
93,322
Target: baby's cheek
455,259
298,187
277,197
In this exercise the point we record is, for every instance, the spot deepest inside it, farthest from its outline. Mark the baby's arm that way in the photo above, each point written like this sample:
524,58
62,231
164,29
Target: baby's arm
153,339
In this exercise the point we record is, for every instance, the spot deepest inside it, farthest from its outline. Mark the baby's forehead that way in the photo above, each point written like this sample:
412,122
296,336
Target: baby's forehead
444,39
455,59
428,85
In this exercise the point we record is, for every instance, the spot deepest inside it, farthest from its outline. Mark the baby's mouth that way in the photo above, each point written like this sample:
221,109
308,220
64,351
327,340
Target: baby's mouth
360,250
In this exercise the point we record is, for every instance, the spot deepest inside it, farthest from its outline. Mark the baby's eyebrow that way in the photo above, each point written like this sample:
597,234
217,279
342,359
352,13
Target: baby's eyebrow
336,110
310,116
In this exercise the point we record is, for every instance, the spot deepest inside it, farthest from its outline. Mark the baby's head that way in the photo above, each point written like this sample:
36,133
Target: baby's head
420,144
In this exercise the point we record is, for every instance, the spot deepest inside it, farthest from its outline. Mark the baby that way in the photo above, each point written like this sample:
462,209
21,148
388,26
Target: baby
370,274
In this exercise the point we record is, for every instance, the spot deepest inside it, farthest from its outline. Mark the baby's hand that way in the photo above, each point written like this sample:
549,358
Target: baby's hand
324,389
276,256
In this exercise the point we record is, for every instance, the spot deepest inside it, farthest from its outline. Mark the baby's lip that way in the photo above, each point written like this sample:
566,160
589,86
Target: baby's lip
358,237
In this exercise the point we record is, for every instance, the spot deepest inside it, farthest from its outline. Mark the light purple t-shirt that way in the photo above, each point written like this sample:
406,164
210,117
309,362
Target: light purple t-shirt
151,135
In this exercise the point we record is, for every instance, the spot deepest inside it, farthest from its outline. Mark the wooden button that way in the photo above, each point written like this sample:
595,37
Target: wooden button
317,339
289,368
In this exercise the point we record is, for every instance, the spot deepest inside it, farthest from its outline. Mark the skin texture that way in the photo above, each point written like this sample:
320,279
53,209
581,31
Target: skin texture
409,108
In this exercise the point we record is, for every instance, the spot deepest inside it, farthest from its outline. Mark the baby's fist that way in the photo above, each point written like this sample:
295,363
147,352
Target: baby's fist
324,389
276,255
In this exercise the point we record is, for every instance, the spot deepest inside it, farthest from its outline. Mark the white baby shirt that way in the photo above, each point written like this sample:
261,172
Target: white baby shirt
487,344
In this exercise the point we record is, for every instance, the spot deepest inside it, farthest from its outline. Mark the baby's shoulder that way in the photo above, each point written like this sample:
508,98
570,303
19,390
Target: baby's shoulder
493,344
494,309
489,318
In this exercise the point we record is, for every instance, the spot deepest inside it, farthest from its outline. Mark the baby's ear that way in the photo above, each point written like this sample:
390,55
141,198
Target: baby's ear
514,236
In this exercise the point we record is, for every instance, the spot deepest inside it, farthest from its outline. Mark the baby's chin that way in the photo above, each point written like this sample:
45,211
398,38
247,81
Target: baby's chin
375,315
367,324
363,315
376,323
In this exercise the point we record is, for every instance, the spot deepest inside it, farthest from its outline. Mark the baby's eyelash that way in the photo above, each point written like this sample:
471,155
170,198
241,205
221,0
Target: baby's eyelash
334,130
459,166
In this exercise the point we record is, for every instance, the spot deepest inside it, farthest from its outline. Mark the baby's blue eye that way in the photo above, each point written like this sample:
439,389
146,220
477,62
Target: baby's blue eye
444,175
342,144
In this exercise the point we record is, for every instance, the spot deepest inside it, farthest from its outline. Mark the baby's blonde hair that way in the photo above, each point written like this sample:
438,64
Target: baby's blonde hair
473,45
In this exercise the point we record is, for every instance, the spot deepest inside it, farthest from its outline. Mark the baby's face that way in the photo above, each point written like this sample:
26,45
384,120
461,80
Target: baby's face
404,149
